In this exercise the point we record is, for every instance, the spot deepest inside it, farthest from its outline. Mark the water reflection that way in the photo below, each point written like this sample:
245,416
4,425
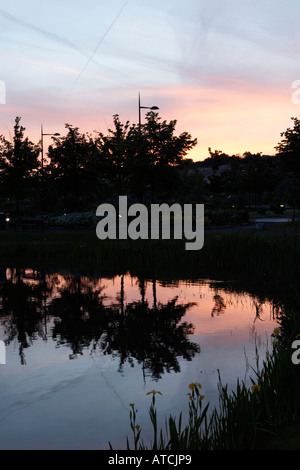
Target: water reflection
22,312
76,312
89,313
80,348
219,306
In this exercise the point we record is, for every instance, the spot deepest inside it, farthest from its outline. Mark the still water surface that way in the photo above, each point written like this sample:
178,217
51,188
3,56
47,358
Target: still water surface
80,349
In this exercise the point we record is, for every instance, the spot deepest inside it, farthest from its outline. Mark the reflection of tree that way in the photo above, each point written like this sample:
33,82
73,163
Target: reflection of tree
22,310
219,306
151,336
79,315
258,310
74,310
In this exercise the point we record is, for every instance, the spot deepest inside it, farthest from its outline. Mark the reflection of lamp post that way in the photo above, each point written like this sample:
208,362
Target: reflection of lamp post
42,135
144,107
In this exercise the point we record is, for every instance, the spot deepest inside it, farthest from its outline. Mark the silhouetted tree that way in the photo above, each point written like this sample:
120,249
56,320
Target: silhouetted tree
235,178
117,148
289,148
218,178
19,164
258,177
289,152
160,152
73,159
192,184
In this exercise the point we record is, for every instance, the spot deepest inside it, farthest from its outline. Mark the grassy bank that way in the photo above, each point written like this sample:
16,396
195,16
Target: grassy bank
226,252
268,264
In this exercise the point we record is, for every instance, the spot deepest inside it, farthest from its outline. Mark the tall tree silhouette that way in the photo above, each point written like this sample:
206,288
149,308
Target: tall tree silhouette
160,152
289,152
289,148
117,148
72,167
257,177
19,164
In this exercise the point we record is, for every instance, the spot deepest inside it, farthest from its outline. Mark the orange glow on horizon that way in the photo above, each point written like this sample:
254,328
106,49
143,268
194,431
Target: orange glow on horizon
230,116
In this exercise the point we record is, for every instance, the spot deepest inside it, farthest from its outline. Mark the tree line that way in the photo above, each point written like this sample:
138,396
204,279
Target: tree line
147,162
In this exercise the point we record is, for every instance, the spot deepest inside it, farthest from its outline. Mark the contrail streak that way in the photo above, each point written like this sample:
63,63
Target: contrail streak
100,42
49,34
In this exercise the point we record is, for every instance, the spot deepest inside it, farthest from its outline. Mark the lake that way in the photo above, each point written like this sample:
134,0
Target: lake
81,347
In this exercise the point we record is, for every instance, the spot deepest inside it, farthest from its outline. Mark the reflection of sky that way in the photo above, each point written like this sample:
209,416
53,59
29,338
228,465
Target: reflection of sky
55,402
223,69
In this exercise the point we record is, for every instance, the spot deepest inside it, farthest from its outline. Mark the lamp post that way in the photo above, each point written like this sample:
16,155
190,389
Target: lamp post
152,108
42,135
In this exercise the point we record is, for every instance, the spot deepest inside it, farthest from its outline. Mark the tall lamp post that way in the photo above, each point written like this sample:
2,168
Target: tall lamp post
42,136
152,108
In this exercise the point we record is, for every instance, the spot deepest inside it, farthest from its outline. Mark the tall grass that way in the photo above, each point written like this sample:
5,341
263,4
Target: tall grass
224,253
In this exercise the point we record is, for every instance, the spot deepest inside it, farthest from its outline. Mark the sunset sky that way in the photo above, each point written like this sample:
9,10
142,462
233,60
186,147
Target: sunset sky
223,69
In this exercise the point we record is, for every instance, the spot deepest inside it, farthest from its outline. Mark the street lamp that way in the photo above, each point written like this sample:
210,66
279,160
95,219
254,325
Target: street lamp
152,108
42,135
